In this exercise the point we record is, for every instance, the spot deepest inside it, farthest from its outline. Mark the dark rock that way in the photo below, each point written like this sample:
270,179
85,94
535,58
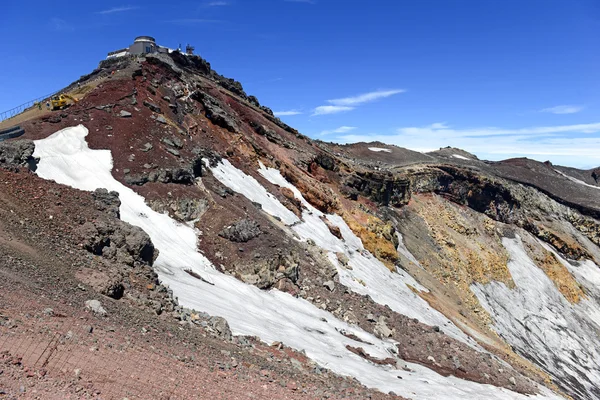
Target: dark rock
108,202
215,112
221,327
117,241
241,231
18,153
173,142
231,84
152,106
381,188
183,209
326,162
596,174
267,110
254,101
136,73
136,179
147,147
270,134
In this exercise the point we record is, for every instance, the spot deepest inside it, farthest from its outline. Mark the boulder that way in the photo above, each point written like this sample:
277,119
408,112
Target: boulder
108,202
221,327
242,231
117,241
152,106
18,153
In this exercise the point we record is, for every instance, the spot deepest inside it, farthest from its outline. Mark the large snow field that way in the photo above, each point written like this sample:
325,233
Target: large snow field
272,316
540,323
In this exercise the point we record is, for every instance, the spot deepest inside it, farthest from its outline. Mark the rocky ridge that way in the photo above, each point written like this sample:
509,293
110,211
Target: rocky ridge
167,119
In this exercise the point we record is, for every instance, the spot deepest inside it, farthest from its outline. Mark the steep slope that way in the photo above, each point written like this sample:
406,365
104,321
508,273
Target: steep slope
378,262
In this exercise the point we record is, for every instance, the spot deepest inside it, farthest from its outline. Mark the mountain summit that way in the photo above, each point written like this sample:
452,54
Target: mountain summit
167,201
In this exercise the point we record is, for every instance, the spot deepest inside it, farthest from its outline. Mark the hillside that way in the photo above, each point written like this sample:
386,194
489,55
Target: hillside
259,263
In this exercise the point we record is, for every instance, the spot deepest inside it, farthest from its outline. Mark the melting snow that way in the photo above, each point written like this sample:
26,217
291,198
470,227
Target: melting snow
379,149
368,275
272,316
539,322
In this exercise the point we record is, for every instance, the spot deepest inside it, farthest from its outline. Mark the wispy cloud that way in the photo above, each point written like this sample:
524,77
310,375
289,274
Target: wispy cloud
573,144
325,110
289,112
301,1
193,21
117,10
341,129
365,97
566,109
350,103
60,25
217,4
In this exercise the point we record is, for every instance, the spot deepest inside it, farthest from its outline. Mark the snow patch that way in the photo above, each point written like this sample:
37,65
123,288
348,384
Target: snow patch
379,150
461,157
368,275
272,316
572,179
405,252
536,319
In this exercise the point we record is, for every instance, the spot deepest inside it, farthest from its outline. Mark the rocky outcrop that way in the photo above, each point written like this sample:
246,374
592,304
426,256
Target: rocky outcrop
320,196
241,231
117,241
281,271
384,189
181,175
18,153
270,134
596,175
183,209
107,202
114,239
326,162
214,111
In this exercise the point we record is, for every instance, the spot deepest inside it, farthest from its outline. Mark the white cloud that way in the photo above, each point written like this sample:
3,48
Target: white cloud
566,109
561,142
324,110
117,10
60,25
365,97
341,129
284,113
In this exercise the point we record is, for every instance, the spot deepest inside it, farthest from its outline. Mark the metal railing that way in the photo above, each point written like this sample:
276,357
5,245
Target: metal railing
19,109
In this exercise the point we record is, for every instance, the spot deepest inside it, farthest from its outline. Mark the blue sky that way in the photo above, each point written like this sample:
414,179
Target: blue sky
499,78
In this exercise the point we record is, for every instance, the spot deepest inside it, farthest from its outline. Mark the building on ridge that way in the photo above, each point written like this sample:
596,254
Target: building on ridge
144,45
